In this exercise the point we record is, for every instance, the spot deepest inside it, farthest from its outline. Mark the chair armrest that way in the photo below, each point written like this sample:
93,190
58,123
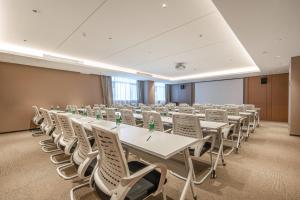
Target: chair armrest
168,130
127,183
140,125
93,154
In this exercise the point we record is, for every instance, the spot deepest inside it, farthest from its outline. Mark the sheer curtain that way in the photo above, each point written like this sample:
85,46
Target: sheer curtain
124,90
160,93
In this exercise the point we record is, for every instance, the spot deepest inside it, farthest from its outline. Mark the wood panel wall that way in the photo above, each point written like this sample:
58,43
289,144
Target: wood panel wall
23,86
294,118
272,97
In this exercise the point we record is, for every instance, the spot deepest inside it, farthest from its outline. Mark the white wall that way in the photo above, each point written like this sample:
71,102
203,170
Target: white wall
220,92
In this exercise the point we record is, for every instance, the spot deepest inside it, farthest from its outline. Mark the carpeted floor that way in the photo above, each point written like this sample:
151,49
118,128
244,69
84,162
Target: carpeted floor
267,167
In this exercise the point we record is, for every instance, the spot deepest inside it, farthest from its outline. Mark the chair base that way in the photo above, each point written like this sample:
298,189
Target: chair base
72,191
54,161
49,148
65,166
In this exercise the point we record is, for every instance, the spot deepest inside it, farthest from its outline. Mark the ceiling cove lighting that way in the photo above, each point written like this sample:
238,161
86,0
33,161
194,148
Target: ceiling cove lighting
243,70
34,53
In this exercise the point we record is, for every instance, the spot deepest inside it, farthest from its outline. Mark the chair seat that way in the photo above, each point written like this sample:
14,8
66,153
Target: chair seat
143,188
205,148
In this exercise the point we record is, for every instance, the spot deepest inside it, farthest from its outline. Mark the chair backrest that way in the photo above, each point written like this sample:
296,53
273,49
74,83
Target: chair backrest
232,110
127,117
146,108
66,126
242,108
189,110
203,108
89,111
37,115
58,129
183,105
83,145
197,106
216,115
156,118
187,125
112,166
249,106
160,109
110,114
47,117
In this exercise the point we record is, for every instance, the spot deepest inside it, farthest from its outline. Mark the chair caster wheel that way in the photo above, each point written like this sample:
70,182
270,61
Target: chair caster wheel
236,150
195,197
213,174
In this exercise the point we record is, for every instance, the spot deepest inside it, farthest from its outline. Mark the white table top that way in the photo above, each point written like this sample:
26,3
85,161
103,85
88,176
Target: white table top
136,137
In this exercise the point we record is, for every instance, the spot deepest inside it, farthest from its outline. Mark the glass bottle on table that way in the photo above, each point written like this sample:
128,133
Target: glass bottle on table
98,116
118,119
151,125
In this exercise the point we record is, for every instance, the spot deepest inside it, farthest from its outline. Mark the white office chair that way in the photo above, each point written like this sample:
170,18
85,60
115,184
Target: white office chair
127,117
68,140
186,109
47,128
218,115
83,158
115,179
110,114
37,120
234,111
188,125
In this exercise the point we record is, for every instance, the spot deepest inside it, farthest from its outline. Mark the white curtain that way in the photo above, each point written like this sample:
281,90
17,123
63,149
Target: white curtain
124,90
160,93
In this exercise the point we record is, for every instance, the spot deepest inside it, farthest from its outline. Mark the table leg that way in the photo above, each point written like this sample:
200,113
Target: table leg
220,153
190,177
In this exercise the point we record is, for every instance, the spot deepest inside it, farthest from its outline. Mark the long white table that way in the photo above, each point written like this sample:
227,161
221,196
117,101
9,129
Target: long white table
136,139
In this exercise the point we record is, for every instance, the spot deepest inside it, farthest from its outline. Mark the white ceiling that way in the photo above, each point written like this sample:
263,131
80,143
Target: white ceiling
269,29
141,36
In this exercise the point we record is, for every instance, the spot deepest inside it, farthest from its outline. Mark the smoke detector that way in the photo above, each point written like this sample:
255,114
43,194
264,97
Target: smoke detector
180,66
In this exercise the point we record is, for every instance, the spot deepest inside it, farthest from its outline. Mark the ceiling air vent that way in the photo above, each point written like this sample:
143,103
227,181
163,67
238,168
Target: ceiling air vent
180,66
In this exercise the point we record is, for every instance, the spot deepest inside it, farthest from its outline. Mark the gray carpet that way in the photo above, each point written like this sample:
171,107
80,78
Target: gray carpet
267,167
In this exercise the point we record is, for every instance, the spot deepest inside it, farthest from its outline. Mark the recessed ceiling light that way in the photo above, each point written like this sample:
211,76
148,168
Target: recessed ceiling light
84,34
164,5
264,52
35,11
109,38
25,40
200,35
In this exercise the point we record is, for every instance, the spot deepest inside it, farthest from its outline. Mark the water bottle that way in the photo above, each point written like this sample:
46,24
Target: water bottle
85,112
98,116
151,125
118,119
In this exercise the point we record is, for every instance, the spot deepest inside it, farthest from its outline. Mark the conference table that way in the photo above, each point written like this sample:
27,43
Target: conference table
136,140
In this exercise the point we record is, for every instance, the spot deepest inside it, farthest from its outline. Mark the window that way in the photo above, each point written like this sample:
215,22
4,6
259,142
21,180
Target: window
124,90
160,93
